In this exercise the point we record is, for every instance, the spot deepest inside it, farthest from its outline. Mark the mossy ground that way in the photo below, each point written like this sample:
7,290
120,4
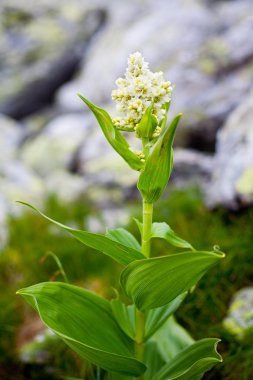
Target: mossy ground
202,312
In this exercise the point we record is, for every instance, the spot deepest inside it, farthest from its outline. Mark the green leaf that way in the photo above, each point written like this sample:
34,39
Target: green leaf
192,362
171,339
147,125
152,359
124,237
155,318
163,231
113,136
86,323
125,316
155,175
157,281
164,345
118,252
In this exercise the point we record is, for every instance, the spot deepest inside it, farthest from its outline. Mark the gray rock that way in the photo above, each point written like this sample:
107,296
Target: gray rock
101,165
232,183
108,218
19,183
192,167
55,147
41,47
4,233
66,186
10,138
239,321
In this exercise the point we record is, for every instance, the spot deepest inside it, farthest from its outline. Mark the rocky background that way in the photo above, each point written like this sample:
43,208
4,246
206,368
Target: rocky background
50,50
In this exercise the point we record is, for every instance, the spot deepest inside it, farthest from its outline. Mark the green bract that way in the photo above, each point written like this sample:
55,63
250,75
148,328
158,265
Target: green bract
155,175
147,125
139,338
114,137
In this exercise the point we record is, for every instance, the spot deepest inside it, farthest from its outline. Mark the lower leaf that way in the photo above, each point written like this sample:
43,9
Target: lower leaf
86,323
192,362
155,318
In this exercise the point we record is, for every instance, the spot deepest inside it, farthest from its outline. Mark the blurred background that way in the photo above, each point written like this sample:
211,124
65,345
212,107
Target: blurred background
54,156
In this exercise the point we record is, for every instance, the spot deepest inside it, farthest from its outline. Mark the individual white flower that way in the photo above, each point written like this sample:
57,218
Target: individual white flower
137,91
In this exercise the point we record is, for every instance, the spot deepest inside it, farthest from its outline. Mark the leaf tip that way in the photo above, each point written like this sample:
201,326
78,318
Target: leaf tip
27,204
86,101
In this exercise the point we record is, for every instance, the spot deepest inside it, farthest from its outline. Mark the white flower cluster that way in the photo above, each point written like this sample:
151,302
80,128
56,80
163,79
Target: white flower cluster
137,91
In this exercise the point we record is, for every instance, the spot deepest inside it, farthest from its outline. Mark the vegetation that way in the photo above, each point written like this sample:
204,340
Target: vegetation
20,265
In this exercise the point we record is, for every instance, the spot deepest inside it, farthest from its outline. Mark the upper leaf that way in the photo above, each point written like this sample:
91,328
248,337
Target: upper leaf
119,252
124,237
163,231
157,281
155,175
86,323
113,136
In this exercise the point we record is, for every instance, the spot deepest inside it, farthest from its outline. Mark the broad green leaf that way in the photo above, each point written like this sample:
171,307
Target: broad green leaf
163,231
119,252
86,323
171,339
155,318
164,345
152,359
125,316
192,362
113,136
155,282
124,237
155,175
147,125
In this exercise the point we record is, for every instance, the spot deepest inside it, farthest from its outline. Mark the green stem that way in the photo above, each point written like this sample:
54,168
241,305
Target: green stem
146,228
140,315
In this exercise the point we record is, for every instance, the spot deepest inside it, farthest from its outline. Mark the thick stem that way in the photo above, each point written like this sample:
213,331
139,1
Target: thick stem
140,316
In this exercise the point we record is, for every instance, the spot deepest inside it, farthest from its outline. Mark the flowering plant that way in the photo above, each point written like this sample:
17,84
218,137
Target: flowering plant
140,339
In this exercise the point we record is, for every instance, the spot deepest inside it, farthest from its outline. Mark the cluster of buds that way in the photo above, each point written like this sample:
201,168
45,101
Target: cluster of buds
137,92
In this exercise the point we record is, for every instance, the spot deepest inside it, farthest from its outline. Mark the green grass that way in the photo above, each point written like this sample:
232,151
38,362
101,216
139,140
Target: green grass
202,312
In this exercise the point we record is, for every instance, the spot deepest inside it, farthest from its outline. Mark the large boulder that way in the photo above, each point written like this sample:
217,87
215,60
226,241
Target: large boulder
16,181
55,147
232,182
10,139
41,47
239,321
